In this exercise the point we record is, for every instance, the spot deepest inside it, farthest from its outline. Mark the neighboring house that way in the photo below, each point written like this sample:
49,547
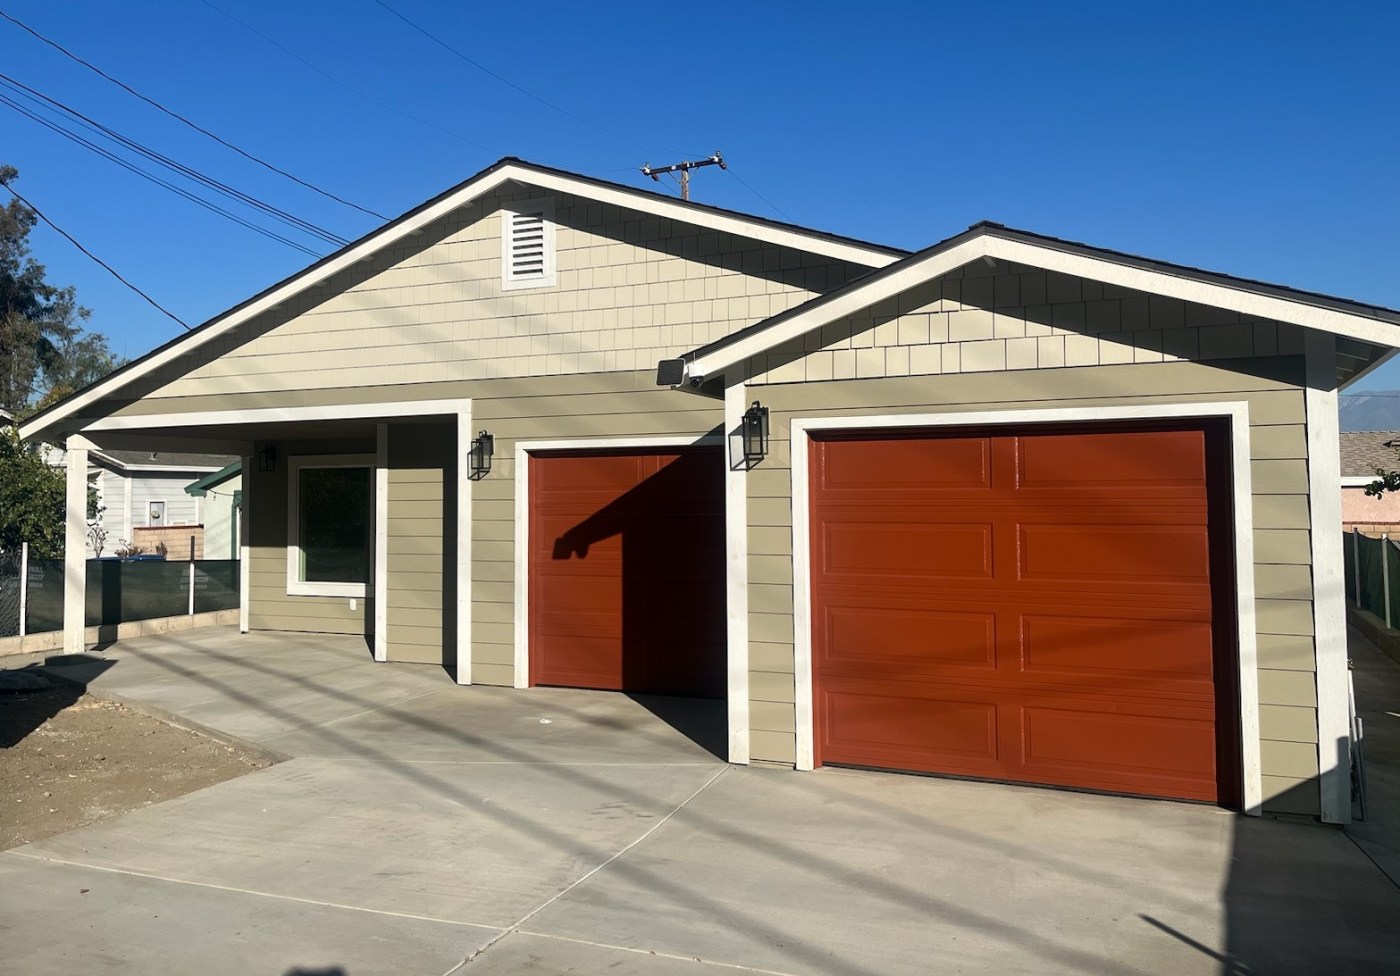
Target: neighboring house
1363,453
222,498
1008,507
142,498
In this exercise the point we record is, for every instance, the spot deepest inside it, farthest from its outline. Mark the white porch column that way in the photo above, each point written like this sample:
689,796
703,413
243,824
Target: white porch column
736,559
244,570
75,545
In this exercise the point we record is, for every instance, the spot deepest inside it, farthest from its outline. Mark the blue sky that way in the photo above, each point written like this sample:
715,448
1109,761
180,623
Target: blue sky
1257,139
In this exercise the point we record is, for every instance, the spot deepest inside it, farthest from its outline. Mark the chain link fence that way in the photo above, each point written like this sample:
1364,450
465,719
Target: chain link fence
9,593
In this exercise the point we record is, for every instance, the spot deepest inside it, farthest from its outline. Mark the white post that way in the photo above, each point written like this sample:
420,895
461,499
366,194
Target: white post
244,571
1385,574
191,588
23,586
75,545
381,542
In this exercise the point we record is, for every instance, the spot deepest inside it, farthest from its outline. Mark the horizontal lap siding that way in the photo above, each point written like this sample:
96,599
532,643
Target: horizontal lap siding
422,483
269,605
1278,468
562,408
630,290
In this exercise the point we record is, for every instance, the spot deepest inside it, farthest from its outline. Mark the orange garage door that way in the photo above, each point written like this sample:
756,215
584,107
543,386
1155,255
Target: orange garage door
1045,606
627,571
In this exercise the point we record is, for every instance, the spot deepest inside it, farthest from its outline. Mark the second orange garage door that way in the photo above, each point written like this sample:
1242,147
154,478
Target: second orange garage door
626,571
1042,606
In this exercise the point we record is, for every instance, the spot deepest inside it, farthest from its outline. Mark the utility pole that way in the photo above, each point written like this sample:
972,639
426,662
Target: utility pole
655,172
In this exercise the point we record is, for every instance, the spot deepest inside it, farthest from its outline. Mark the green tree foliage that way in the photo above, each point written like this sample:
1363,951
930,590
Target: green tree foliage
45,353
1385,481
31,499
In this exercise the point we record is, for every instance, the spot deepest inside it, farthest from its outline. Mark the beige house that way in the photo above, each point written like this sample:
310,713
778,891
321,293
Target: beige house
1008,507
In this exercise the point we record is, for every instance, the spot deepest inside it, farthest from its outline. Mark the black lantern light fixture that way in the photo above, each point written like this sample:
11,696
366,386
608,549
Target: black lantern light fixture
755,433
483,448
267,458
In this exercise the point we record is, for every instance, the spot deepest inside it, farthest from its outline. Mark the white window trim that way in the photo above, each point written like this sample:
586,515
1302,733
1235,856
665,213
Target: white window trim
550,276
523,450
1242,499
296,586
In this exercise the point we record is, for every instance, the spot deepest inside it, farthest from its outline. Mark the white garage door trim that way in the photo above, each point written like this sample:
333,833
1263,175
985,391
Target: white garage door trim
523,450
1237,413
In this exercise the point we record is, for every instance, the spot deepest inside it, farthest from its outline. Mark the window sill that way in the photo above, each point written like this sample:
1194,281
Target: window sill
325,589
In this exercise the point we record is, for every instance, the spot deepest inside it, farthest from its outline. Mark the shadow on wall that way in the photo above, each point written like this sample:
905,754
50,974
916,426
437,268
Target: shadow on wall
670,610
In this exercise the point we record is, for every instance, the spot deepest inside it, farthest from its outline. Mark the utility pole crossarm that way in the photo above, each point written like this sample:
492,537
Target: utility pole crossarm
684,168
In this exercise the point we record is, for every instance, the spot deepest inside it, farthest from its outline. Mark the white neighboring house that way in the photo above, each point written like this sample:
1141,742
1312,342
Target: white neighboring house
222,497
142,494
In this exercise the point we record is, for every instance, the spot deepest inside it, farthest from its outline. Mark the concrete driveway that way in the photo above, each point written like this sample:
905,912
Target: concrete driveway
426,828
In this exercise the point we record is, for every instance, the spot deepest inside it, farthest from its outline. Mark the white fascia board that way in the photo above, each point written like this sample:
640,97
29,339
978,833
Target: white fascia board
919,271
355,253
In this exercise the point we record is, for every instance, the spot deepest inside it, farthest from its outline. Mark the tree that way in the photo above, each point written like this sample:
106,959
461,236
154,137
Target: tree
45,353
1385,480
32,500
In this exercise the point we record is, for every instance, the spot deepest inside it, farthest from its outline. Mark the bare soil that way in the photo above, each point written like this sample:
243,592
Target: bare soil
69,759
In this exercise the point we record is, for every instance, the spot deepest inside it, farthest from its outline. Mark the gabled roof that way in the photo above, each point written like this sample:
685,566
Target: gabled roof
991,241
508,169
1363,451
162,460
201,487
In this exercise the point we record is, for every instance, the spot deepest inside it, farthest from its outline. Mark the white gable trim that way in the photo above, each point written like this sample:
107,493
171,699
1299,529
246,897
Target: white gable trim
646,202
988,245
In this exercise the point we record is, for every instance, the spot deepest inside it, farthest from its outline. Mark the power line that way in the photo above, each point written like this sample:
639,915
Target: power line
178,117
110,270
133,168
352,90
92,125
770,203
510,84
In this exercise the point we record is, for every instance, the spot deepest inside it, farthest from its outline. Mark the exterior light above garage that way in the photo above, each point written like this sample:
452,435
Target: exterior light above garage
755,433
483,448
267,458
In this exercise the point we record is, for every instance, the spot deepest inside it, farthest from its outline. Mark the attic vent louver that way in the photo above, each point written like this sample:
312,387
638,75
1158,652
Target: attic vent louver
527,245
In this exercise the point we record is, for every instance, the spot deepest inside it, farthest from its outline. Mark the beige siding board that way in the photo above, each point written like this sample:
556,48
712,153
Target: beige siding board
775,747
495,654
770,569
771,686
1290,794
295,623
415,600
1279,687
1279,477
1288,723
1285,546
1291,759
1279,443
1284,616
770,541
500,675
772,716
771,627
422,546
770,598
772,657
1280,512
492,613
1287,652
1280,582
770,511
403,652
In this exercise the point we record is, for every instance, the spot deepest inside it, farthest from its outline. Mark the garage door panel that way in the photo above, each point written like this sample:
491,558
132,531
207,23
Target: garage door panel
1103,553
1141,647
936,551
954,728
952,464
898,641
1112,463
1069,606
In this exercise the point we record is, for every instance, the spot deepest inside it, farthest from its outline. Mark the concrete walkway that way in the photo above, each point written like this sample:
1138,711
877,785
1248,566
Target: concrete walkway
426,828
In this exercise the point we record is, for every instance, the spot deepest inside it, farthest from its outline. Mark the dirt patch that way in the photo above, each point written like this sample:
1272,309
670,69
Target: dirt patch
69,759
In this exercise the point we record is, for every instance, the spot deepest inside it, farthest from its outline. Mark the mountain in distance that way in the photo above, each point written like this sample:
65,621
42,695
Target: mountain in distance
1372,410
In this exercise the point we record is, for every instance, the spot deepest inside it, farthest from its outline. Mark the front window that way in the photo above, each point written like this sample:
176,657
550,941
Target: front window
330,521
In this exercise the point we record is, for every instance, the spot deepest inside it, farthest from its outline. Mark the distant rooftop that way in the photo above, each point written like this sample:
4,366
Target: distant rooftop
1363,451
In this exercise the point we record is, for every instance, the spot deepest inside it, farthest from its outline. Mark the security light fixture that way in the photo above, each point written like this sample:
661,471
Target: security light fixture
267,458
483,448
755,433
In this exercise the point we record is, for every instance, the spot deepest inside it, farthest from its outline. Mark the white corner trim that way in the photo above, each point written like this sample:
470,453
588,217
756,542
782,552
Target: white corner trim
919,270
523,450
736,557
653,203
245,571
1328,575
463,594
381,542
1236,412
296,586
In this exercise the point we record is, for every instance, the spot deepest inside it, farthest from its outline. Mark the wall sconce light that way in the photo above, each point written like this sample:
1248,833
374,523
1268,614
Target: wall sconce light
755,433
267,458
483,448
